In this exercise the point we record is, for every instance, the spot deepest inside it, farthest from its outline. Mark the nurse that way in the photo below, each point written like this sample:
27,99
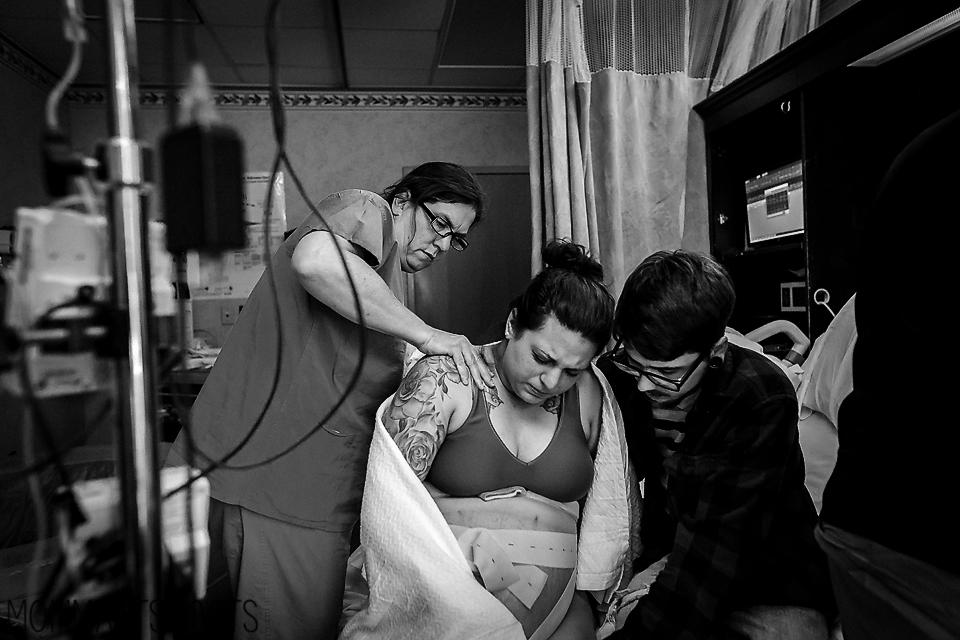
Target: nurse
281,526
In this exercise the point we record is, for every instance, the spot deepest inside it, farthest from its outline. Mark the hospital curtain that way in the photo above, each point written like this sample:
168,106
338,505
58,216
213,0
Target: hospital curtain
617,159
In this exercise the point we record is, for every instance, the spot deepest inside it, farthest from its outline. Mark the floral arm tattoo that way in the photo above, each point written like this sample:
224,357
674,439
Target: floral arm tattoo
415,419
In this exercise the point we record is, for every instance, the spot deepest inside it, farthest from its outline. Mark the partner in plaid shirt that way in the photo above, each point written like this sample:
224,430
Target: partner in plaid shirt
712,428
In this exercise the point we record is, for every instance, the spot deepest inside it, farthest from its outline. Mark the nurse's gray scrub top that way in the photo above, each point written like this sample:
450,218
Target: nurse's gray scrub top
319,484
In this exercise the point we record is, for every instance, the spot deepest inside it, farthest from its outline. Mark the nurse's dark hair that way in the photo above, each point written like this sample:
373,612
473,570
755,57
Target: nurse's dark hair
440,182
674,302
571,288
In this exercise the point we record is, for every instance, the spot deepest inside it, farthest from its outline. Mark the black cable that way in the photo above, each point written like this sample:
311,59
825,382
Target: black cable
184,413
191,44
276,108
39,511
279,123
57,454
33,405
192,448
356,372
191,451
191,443
172,361
84,299
280,134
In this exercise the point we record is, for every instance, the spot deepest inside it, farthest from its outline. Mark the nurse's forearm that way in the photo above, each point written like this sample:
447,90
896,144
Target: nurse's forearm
318,266
382,311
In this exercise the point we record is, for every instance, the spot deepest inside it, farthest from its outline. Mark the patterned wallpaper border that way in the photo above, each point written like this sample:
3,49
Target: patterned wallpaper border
320,99
258,97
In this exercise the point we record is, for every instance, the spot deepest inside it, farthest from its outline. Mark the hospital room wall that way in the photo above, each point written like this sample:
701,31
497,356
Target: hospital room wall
21,126
334,149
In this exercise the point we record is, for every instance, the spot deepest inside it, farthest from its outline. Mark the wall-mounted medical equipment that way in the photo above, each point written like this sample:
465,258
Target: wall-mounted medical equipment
775,203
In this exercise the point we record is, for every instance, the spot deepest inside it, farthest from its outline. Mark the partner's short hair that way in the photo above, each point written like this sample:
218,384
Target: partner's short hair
674,302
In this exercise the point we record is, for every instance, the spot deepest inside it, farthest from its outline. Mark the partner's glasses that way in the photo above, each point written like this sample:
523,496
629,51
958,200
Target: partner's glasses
442,228
621,360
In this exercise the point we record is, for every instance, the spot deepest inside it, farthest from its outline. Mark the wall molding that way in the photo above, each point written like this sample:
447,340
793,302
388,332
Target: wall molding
29,68
249,98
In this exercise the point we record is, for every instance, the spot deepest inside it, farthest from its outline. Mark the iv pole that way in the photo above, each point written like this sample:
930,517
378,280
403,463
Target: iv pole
137,437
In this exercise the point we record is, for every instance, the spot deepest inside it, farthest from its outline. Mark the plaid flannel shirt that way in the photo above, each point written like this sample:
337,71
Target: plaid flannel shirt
734,513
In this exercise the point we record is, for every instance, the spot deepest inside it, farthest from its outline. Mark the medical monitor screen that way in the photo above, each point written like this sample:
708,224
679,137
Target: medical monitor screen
775,203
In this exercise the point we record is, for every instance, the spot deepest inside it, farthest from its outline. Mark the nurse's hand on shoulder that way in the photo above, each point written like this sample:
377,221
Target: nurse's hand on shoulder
464,355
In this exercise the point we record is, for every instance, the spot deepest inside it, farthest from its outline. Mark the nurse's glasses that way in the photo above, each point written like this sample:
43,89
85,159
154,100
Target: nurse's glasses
442,228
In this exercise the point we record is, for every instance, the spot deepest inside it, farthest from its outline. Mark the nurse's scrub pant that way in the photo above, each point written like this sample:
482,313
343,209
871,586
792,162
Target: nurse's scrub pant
272,579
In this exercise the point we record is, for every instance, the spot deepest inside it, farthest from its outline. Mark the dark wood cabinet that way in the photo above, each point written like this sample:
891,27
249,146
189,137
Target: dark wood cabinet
844,124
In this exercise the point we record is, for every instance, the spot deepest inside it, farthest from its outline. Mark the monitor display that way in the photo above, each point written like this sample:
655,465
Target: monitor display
775,203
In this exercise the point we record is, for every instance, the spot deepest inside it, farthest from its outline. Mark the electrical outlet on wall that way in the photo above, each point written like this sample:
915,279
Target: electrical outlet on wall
229,312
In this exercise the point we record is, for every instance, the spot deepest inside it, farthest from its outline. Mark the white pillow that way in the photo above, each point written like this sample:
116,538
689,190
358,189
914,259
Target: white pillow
818,441
828,369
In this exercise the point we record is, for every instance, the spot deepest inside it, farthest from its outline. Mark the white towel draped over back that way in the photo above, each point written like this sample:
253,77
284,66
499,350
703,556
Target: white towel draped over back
420,584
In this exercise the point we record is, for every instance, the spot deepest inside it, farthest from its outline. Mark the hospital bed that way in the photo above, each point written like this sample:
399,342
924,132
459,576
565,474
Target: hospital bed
823,378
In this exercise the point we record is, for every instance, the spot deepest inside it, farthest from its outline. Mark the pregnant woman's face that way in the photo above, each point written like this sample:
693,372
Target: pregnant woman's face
539,364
